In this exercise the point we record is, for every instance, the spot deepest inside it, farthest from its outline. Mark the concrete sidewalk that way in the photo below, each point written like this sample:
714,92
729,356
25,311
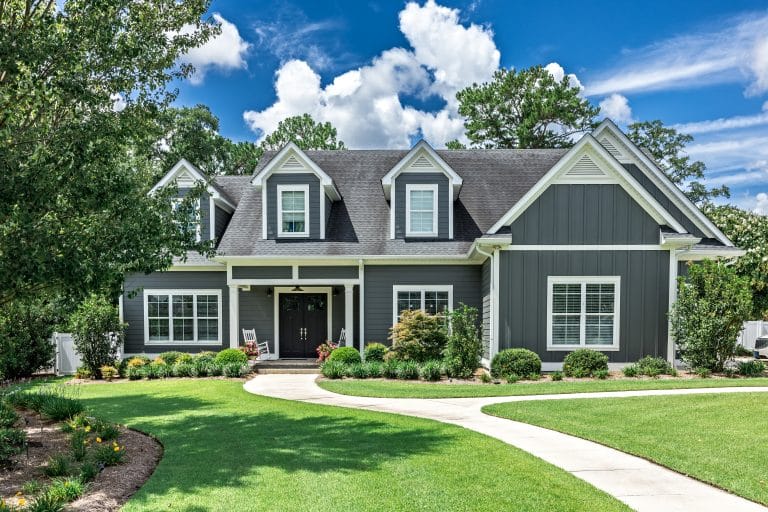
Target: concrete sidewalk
642,485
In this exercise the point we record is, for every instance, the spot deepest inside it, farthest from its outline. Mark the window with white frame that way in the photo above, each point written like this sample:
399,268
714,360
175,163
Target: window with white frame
293,210
432,300
182,316
190,215
583,312
421,210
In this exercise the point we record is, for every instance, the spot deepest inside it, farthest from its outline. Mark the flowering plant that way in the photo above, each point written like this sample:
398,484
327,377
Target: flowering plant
324,350
251,349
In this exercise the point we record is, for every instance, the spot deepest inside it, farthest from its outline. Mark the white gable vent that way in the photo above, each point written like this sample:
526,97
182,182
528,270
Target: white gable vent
585,168
607,144
292,163
422,163
185,180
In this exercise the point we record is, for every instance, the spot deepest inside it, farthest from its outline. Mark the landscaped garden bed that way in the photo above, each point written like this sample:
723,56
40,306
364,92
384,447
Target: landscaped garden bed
54,454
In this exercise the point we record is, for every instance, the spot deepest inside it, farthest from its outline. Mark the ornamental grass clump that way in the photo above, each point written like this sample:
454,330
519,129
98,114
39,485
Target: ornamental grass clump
357,371
431,370
66,489
390,368
235,370
408,370
333,369
375,369
751,368
183,370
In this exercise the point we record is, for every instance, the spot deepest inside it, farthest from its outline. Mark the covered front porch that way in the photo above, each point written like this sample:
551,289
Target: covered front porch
294,308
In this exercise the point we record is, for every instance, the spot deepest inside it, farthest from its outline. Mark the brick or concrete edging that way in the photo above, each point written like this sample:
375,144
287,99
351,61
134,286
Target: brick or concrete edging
642,485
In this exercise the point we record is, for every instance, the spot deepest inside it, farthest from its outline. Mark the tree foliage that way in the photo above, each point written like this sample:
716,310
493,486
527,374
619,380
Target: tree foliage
712,304
25,331
748,231
303,131
97,332
75,214
667,146
524,109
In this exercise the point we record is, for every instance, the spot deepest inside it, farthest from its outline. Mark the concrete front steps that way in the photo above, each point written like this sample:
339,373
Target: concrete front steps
287,366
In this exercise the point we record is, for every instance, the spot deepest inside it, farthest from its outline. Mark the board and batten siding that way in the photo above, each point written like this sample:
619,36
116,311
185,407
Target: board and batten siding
584,215
663,200
485,293
314,201
379,280
643,304
444,196
133,307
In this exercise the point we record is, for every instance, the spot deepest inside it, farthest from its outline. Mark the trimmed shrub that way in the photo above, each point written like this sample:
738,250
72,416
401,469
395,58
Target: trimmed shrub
83,373
357,370
170,357
156,371
134,372
602,374
653,366
183,370
408,370
231,355
206,356
25,331
235,370
375,351
751,368
108,372
584,362
630,370
557,376
519,361
215,370
390,368
202,367
97,332
346,355
419,336
464,346
431,370
333,369
375,368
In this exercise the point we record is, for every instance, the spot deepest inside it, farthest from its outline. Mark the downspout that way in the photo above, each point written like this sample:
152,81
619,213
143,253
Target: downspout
361,305
492,320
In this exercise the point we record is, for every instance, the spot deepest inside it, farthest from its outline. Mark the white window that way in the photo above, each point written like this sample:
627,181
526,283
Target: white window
432,300
293,210
583,312
192,221
421,210
182,316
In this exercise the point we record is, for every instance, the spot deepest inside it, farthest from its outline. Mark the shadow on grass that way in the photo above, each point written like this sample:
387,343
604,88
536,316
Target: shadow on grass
232,442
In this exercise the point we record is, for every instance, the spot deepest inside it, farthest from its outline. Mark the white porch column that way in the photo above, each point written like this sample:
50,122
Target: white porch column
349,309
672,300
234,316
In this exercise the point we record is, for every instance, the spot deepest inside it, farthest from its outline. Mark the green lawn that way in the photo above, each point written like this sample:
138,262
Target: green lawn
405,389
229,450
719,439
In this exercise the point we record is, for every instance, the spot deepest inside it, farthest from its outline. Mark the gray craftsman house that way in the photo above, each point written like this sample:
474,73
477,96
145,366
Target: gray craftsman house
557,248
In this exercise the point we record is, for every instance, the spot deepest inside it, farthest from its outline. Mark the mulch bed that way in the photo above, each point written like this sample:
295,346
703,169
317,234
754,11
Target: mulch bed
111,488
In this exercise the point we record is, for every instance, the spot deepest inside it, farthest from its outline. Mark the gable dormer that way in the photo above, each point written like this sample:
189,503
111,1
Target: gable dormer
214,209
296,196
421,190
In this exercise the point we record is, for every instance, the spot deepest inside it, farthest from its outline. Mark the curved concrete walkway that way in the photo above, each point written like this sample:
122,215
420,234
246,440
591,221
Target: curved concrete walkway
642,485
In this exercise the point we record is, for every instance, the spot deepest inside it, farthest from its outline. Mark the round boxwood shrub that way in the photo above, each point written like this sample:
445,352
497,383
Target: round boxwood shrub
431,370
584,362
408,370
653,366
519,361
375,352
346,355
231,355
333,369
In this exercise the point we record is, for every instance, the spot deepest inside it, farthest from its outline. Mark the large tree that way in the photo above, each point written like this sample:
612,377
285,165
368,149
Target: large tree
303,131
667,146
74,210
524,109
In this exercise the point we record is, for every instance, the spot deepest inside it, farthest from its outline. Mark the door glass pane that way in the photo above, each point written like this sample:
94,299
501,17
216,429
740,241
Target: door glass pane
289,303
315,303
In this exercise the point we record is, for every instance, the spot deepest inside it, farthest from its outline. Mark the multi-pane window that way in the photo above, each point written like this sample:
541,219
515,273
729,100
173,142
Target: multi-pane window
432,300
292,209
421,210
583,312
188,216
183,316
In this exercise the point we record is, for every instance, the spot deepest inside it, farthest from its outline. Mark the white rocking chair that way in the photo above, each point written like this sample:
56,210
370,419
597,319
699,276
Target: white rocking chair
249,336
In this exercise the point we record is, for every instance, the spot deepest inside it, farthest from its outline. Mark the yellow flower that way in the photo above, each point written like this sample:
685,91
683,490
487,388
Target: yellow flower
87,428
117,448
98,439
21,502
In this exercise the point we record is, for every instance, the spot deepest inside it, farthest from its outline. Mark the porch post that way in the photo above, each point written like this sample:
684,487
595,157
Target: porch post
234,316
349,308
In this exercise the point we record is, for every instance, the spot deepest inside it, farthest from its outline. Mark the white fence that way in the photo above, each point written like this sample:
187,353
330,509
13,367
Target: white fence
67,359
753,330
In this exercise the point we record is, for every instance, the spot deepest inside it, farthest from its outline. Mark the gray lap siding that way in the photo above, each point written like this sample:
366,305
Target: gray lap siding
133,307
379,280
643,300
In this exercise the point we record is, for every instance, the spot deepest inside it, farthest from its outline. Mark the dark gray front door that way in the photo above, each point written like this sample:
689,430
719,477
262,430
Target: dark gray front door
303,323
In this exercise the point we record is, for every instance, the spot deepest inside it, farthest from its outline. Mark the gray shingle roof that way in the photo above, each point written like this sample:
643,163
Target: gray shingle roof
231,187
494,180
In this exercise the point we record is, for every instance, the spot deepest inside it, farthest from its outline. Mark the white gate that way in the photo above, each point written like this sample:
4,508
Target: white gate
67,359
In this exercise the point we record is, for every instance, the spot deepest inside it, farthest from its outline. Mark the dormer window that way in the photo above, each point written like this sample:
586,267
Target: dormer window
293,210
421,210
190,214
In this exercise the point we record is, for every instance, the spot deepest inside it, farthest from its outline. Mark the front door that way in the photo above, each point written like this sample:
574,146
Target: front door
303,323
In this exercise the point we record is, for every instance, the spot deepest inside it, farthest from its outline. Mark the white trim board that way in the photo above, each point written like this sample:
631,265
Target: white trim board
611,169
328,290
657,176
648,247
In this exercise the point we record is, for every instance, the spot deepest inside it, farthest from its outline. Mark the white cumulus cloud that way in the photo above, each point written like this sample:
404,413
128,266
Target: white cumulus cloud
761,204
558,73
224,52
368,105
616,107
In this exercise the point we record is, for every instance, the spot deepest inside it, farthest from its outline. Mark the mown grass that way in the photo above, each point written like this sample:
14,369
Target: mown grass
229,450
718,439
405,389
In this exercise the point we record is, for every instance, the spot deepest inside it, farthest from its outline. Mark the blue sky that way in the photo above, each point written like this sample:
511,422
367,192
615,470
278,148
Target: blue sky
385,72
